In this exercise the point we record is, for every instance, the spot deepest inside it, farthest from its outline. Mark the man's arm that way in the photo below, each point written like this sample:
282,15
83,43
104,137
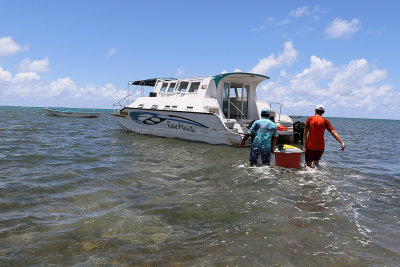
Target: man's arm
274,140
246,136
253,129
337,137
305,137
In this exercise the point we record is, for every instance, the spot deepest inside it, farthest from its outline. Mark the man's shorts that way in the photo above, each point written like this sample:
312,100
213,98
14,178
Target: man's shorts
313,155
265,156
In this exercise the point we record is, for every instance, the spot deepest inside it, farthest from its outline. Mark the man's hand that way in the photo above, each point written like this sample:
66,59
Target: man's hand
342,146
246,136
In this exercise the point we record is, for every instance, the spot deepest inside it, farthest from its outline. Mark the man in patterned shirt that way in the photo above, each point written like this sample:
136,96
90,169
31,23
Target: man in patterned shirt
313,138
264,131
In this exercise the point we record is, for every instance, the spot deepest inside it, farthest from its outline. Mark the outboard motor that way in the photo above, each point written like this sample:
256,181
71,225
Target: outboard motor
298,131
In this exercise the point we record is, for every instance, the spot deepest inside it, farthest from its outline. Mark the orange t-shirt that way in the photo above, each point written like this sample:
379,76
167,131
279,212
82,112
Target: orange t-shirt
316,128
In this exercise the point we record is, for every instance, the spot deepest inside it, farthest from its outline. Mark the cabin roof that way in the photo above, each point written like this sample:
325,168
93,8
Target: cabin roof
219,77
149,82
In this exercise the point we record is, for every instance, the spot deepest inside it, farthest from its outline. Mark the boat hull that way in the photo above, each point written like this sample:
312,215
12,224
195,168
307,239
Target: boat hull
195,126
52,112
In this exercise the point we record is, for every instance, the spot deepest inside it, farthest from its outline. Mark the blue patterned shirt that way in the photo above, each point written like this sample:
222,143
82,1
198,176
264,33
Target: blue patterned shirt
264,130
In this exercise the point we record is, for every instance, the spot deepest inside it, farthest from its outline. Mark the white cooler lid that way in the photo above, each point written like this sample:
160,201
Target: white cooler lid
289,150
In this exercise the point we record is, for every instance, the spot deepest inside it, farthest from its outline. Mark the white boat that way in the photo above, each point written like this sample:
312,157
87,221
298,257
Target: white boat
215,109
70,113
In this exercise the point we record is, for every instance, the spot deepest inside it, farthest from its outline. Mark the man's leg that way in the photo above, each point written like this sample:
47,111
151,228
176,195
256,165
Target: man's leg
308,157
317,156
254,152
266,157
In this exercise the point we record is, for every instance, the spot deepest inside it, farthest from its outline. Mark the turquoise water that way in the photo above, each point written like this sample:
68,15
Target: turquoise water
78,191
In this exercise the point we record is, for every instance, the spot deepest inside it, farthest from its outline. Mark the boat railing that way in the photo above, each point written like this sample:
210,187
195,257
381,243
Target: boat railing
126,100
280,109
238,109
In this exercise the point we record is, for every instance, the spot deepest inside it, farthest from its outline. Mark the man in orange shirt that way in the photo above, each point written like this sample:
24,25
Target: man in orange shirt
313,138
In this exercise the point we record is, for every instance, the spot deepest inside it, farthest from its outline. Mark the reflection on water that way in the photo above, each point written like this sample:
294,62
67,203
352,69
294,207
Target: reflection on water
82,192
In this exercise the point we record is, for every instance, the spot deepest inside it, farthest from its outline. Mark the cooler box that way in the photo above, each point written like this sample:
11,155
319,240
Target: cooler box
289,158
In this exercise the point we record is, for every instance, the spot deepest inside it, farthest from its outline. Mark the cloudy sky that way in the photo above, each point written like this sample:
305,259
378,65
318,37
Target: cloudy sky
343,54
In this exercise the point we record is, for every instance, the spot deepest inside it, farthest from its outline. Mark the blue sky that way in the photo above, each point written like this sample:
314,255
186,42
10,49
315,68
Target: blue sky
343,54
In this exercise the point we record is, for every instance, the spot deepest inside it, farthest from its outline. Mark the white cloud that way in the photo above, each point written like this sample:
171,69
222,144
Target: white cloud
259,28
391,98
26,77
9,47
384,90
274,91
29,84
179,72
288,56
111,52
41,65
306,11
356,85
270,19
292,102
300,11
284,22
61,86
303,15
339,28
306,81
5,76
374,77
349,78
24,84
92,91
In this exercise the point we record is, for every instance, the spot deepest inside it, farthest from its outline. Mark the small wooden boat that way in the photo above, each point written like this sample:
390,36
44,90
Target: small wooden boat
71,113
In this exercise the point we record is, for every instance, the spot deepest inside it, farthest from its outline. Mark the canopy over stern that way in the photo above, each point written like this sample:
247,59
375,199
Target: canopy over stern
258,78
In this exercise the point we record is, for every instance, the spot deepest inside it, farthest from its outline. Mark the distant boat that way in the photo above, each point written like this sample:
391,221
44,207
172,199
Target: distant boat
71,113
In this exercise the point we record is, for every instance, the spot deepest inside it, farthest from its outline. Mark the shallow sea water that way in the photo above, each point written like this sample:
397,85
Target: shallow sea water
82,192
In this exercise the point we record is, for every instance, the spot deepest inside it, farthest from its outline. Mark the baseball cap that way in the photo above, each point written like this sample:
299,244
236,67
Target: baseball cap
265,111
320,107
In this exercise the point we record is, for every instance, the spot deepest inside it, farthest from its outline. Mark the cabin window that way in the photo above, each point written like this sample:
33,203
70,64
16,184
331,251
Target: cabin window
174,106
164,87
183,87
194,86
171,87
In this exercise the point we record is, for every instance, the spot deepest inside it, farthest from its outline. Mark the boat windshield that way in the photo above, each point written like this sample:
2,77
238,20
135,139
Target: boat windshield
194,86
164,87
171,87
183,86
